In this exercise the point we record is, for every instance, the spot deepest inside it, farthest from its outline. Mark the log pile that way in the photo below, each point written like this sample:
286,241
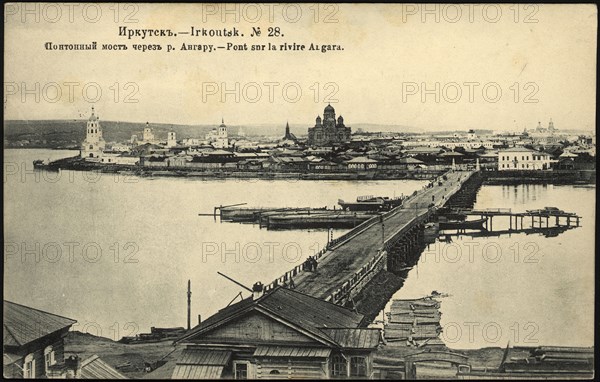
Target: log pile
414,323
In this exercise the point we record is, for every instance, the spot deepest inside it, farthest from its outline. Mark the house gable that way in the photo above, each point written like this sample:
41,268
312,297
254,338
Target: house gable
252,328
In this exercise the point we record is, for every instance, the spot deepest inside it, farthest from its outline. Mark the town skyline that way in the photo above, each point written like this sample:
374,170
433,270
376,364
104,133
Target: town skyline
516,76
531,123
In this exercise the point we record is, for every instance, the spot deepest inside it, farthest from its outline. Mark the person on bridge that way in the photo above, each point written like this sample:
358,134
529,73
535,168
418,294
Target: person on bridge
308,264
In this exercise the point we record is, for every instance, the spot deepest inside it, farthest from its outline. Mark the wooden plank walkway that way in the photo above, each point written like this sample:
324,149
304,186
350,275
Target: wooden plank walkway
339,265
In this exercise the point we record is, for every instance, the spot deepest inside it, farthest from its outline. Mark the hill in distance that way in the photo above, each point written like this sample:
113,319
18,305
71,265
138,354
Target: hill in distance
51,133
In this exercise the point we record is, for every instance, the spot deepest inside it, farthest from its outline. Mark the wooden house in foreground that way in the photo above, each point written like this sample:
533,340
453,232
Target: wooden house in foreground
279,334
34,347
33,341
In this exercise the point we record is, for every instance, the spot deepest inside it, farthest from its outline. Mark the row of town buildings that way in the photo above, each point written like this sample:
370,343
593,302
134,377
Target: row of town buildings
331,147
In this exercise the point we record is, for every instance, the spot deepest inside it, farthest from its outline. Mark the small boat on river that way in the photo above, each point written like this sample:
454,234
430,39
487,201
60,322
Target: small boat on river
463,224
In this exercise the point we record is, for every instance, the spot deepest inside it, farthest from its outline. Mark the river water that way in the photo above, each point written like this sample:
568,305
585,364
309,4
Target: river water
115,252
528,289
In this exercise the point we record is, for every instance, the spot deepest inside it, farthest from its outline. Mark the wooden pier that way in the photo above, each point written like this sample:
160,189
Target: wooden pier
516,219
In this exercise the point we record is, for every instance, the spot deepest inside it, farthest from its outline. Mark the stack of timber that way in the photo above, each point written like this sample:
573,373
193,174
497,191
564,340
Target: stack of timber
155,335
543,362
553,359
414,323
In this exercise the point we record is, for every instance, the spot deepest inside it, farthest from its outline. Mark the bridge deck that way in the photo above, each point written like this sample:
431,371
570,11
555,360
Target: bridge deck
339,265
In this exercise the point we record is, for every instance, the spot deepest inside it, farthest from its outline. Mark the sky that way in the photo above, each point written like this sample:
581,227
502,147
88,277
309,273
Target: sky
498,67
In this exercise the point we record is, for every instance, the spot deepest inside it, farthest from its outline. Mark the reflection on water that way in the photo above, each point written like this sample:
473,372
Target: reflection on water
110,249
528,289
524,193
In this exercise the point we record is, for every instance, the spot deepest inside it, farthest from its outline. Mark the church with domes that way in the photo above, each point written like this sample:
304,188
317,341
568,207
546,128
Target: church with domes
328,131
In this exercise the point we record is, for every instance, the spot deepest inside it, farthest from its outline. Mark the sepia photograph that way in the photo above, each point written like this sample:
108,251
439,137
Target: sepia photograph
299,191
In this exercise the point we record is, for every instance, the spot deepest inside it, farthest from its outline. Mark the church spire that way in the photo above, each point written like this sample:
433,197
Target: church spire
93,116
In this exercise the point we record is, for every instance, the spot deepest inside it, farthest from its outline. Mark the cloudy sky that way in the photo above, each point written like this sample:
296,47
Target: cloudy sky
498,67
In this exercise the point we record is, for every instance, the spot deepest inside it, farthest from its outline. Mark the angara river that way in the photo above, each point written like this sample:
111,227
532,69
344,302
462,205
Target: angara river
115,252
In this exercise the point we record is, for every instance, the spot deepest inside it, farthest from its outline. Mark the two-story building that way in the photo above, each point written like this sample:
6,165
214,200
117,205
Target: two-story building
361,164
278,334
523,159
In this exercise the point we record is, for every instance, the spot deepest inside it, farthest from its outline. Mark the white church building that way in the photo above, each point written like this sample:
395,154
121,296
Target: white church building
93,146
218,137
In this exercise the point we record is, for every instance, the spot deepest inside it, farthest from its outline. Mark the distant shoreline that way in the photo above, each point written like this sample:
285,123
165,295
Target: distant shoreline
77,164
580,177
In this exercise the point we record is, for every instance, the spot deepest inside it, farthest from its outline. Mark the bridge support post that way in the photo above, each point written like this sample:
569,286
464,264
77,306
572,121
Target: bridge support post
410,370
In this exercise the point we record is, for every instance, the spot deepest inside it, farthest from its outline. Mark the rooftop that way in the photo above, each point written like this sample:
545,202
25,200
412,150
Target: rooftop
362,160
297,309
23,324
95,368
517,150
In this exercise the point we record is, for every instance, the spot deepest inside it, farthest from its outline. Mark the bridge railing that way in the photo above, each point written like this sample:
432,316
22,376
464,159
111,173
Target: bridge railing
366,224
353,232
331,245
358,275
287,276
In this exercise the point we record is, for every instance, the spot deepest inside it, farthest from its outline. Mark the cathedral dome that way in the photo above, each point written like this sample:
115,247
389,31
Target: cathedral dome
329,108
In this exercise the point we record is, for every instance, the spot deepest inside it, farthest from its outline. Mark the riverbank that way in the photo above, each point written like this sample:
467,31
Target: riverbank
78,164
493,177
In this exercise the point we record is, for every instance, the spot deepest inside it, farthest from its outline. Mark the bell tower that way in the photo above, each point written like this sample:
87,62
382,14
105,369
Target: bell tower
222,129
171,139
94,144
